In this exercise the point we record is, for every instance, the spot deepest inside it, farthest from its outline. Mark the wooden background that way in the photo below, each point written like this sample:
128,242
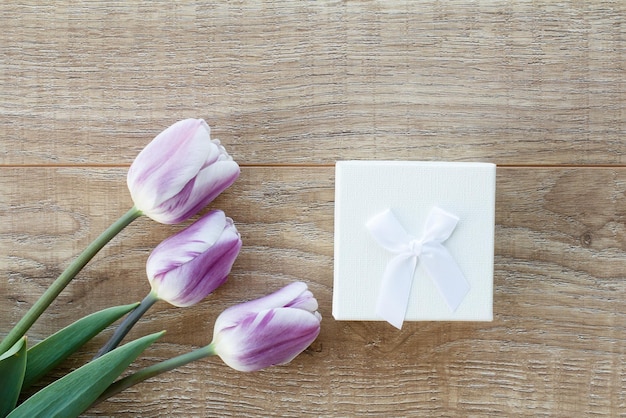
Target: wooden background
290,87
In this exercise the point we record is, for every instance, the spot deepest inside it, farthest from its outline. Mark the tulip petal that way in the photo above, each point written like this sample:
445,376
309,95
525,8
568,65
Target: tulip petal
280,298
187,244
305,301
175,209
205,187
217,153
209,183
195,280
273,336
157,173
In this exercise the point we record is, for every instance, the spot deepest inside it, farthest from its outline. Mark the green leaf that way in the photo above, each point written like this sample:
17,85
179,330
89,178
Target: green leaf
44,356
12,367
75,392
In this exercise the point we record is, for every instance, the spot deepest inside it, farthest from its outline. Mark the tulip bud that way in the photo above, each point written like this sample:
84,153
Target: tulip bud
188,266
180,172
268,331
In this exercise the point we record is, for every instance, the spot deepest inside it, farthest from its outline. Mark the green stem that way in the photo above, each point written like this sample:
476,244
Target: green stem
154,370
70,272
127,324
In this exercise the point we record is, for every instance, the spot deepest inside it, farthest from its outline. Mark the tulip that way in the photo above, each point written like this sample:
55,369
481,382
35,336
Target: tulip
180,172
268,331
248,337
188,266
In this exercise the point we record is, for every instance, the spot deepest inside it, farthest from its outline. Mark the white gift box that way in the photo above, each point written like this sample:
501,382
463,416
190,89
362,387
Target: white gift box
410,190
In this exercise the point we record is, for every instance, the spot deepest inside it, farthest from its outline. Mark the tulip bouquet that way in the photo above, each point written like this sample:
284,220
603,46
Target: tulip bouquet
173,178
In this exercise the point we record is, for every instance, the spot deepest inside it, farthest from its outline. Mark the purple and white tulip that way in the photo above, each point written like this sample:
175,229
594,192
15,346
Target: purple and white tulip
180,172
188,266
268,331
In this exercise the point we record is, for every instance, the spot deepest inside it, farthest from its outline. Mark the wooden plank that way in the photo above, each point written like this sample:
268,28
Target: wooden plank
556,346
301,83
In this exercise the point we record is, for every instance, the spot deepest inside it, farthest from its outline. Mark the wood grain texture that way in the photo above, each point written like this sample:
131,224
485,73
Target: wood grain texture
557,345
290,87
305,82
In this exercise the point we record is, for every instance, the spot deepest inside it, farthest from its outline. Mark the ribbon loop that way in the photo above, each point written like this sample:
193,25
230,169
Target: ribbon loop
437,261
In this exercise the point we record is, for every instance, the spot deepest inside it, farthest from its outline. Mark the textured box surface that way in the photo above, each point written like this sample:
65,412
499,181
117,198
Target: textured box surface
411,189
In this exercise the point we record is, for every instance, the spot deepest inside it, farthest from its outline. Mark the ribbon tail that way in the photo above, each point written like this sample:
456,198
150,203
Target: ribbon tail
446,274
395,289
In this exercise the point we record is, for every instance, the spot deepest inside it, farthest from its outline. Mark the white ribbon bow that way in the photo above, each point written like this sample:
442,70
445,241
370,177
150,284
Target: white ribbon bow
395,289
